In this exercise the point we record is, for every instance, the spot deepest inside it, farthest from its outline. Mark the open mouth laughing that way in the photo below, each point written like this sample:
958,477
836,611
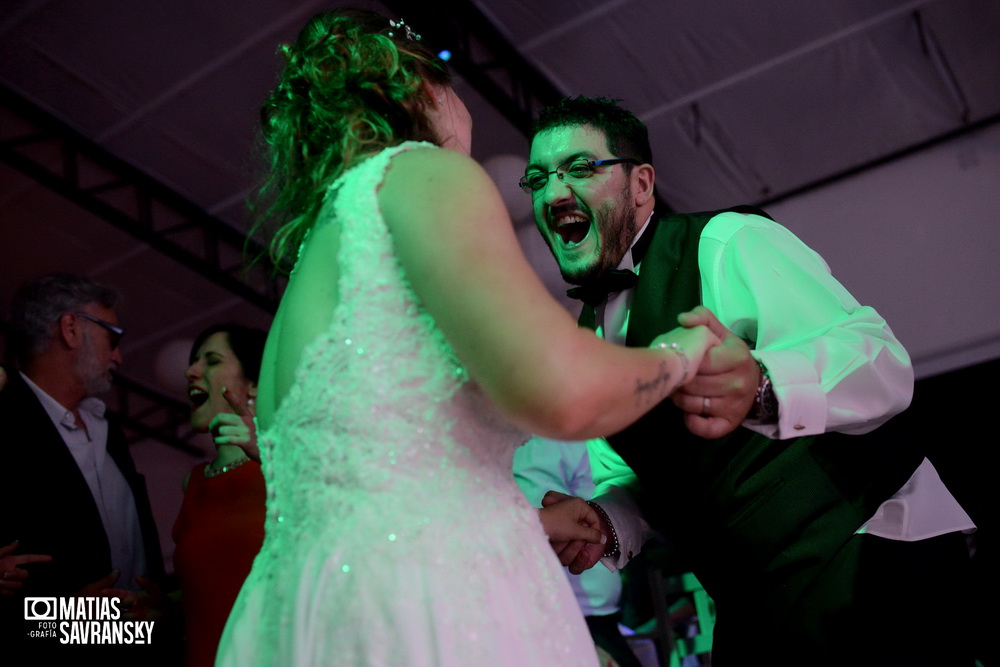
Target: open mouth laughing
197,397
571,225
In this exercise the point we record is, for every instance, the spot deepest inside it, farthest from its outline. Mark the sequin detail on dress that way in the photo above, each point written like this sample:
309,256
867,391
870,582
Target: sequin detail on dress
395,534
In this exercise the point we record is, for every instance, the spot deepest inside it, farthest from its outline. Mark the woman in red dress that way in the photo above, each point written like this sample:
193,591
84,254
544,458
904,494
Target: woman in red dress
221,523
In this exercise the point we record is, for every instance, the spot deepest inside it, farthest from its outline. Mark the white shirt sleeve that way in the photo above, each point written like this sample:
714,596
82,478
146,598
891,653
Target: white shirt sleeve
835,364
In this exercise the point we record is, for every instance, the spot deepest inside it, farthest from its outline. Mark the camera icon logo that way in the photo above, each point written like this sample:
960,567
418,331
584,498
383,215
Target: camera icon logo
40,609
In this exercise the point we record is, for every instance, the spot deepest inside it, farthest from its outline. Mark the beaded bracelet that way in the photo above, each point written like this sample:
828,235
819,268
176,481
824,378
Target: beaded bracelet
613,551
679,351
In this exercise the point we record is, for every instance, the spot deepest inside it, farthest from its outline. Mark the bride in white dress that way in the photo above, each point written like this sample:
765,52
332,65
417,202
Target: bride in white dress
413,349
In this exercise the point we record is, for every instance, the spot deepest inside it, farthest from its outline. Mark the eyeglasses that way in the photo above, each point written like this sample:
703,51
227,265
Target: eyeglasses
116,332
572,172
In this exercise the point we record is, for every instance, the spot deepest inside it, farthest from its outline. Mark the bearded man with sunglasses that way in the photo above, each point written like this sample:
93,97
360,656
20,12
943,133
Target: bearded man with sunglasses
802,534
70,495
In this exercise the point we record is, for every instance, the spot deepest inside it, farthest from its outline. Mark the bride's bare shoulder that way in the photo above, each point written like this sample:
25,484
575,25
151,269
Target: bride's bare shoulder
434,177
432,160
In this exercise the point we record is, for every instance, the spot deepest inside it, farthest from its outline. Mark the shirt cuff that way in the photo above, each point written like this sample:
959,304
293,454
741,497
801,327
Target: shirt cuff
630,527
801,400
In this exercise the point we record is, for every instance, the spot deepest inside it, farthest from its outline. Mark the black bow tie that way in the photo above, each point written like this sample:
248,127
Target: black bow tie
616,280
597,291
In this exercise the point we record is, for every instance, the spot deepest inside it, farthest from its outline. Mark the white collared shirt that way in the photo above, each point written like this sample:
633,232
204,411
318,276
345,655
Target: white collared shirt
108,486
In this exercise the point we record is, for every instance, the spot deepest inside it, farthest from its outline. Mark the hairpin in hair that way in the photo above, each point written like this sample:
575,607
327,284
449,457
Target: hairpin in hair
401,25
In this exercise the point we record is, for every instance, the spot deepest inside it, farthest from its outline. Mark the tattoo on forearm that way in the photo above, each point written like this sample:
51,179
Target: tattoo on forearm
649,391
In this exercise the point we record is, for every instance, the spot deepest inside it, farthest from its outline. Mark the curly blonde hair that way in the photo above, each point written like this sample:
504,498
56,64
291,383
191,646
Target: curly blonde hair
349,89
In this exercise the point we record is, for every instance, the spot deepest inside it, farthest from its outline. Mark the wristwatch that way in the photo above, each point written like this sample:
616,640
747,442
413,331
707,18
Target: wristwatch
765,404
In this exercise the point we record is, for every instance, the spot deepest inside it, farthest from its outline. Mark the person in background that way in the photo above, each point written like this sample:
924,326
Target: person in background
220,527
542,465
70,490
12,572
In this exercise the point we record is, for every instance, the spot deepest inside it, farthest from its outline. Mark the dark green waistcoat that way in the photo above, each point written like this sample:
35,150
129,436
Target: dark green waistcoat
756,519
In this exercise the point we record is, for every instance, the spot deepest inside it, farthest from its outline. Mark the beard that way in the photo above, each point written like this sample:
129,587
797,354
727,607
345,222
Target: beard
615,227
95,377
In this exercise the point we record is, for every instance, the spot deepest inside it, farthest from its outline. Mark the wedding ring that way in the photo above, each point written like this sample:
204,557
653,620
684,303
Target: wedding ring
704,406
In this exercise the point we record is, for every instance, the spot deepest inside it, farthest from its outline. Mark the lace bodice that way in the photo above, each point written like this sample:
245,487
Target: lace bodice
382,382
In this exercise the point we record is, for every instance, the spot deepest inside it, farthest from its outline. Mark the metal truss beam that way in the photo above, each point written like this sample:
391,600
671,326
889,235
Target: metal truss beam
48,151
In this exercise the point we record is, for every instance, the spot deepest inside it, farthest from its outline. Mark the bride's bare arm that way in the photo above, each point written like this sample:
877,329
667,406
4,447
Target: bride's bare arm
459,251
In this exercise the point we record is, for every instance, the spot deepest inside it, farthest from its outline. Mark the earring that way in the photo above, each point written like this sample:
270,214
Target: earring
440,101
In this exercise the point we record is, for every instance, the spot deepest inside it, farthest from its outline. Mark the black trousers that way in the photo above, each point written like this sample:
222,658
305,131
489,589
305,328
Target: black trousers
880,602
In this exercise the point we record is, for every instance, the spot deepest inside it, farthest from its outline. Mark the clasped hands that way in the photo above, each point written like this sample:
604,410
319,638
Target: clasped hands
716,400
150,603
147,604
578,534
12,575
720,396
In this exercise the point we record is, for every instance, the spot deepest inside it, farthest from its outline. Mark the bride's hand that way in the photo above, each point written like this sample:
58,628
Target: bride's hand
690,344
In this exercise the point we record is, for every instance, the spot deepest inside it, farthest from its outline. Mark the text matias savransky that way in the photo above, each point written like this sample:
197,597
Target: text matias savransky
85,620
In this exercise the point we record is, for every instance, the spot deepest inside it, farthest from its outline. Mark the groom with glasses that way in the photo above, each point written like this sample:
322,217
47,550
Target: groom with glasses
70,489
795,529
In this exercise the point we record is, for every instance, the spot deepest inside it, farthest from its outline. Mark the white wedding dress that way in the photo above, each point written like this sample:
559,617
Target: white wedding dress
395,534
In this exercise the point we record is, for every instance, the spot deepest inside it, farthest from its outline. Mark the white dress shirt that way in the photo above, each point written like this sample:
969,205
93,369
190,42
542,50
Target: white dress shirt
108,486
834,364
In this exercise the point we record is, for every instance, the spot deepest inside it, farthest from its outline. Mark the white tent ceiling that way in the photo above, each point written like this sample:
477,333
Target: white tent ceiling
749,101
745,102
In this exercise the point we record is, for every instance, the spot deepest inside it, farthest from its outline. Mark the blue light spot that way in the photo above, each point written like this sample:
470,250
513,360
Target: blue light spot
392,537
444,55
346,568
